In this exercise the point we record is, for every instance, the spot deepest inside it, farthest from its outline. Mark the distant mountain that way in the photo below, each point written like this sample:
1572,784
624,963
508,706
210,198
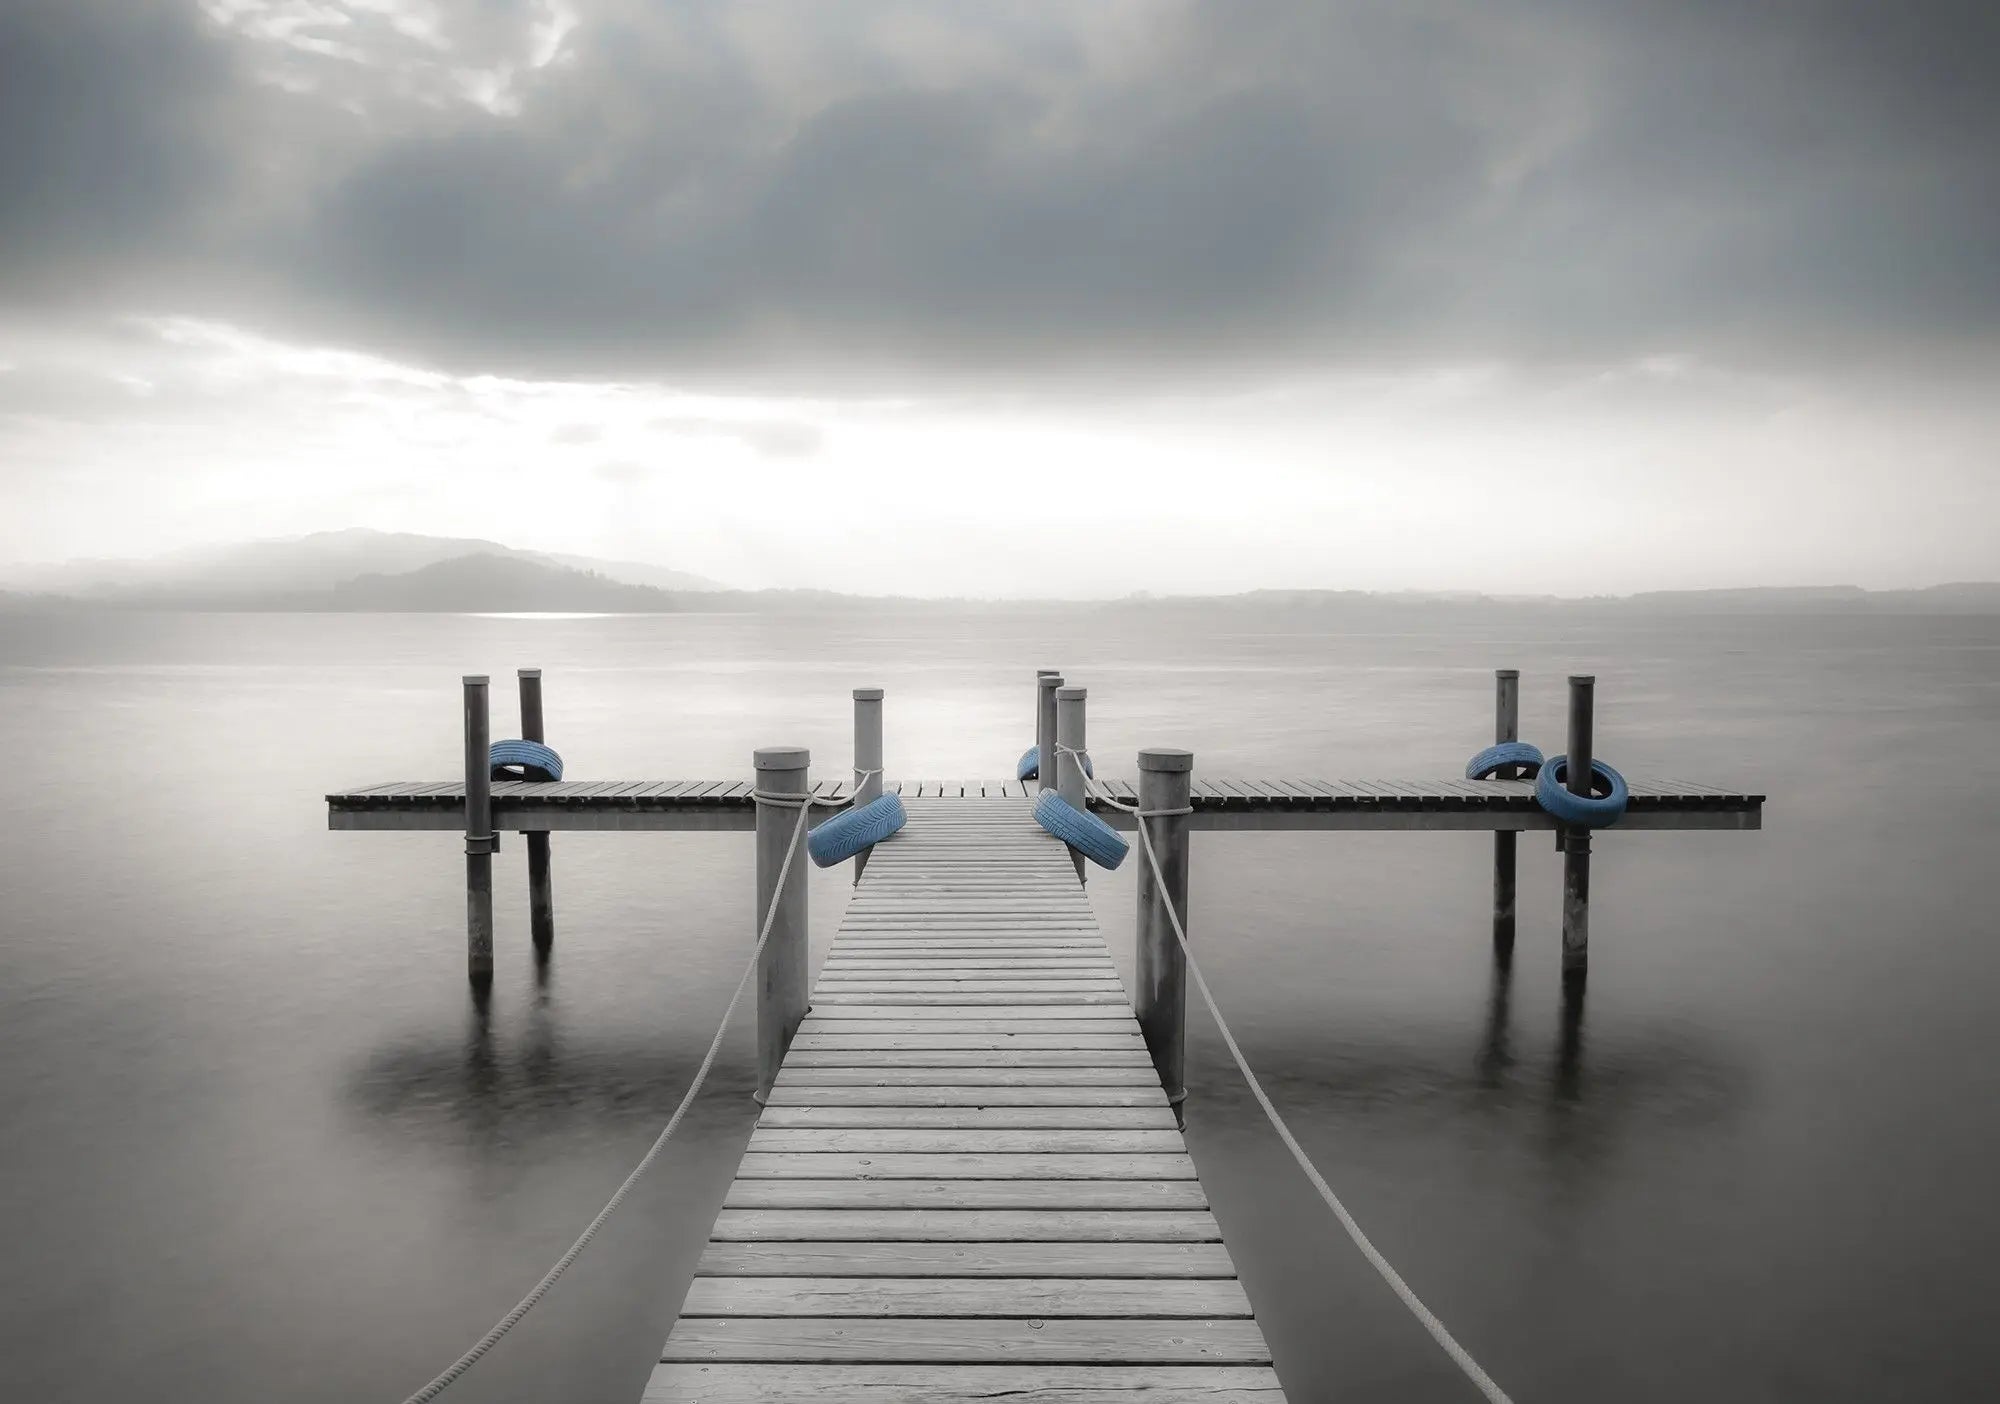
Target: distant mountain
321,561
485,583
1971,597
365,570
633,572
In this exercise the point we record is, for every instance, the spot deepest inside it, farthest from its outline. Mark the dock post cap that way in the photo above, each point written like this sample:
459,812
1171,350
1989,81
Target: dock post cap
1049,679
476,680
1072,694
527,672
1165,758
782,757
1048,672
1506,672
867,694
1583,680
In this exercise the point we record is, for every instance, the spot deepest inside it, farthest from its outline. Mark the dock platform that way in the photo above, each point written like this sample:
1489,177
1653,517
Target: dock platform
686,805
967,1182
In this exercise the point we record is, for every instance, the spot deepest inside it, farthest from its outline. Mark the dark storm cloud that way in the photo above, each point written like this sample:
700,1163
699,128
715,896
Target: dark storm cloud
1025,187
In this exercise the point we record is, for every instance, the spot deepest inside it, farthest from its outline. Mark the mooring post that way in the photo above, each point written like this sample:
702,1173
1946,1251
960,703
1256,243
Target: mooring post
541,890
1506,727
1046,682
1069,737
1576,840
479,837
1160,998
781,969
867,758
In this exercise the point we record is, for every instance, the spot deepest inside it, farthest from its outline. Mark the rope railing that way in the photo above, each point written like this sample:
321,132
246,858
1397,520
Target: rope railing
1424,1315
801,802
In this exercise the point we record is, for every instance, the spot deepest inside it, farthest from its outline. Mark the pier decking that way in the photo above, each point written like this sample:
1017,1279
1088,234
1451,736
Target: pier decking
683,805
967,1182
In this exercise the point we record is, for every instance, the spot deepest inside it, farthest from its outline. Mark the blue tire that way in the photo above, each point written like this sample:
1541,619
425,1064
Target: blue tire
1086,833
1029,767
847,833
1508,753
524,760
1594,811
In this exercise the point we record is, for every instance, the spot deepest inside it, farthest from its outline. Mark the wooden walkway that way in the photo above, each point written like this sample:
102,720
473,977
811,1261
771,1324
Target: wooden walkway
1417,804
968,1183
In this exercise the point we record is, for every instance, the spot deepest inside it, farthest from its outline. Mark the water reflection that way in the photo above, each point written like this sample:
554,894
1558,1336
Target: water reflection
1569,1040
1496,1054
1622,1085
522,1075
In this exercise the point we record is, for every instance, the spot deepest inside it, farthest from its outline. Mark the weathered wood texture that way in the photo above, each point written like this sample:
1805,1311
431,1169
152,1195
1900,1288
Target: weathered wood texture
692,805
967,1182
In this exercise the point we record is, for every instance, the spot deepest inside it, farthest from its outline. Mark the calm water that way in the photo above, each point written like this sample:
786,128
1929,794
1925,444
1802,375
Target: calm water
259,1143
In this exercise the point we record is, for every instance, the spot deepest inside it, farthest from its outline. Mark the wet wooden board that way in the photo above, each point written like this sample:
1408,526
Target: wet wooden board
967,1182
960,1384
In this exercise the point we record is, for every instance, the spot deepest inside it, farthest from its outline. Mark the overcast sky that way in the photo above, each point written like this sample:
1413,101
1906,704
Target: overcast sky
1077,297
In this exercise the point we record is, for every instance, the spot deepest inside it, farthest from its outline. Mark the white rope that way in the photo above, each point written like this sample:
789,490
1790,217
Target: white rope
465,1362
1425,1316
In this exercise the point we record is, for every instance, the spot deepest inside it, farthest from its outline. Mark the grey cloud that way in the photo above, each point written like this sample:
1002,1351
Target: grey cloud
704,190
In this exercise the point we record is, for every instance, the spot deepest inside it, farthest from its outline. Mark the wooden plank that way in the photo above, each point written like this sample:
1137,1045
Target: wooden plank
778,1140
1035,1297
794,1094
1001,1059
905,1117
966,1226
961,1019
884,1259
970,968
995,1047
862,987
965,1165
829,1001
962,1384
930,965
953,1340
978,1020
966,1194
956,1068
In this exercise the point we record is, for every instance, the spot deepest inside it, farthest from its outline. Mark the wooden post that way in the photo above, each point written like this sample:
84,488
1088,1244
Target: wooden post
868,743
479,837
1506,727
1160,1001
867,757
1046,683
1576,845
1069,769
781,970
541,890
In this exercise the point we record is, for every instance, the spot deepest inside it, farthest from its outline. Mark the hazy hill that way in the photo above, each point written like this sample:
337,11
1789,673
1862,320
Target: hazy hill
321,561
1970,597
363,570
484,582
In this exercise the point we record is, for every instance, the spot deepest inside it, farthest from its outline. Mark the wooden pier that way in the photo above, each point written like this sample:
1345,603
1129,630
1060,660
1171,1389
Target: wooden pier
967,1182
1434,804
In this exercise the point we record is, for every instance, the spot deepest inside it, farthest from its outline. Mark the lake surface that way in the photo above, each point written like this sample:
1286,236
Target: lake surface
261,1144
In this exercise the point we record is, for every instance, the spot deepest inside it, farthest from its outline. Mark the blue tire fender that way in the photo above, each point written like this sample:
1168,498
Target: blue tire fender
1083,831
1507,753
850,831
524,760
1593,811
